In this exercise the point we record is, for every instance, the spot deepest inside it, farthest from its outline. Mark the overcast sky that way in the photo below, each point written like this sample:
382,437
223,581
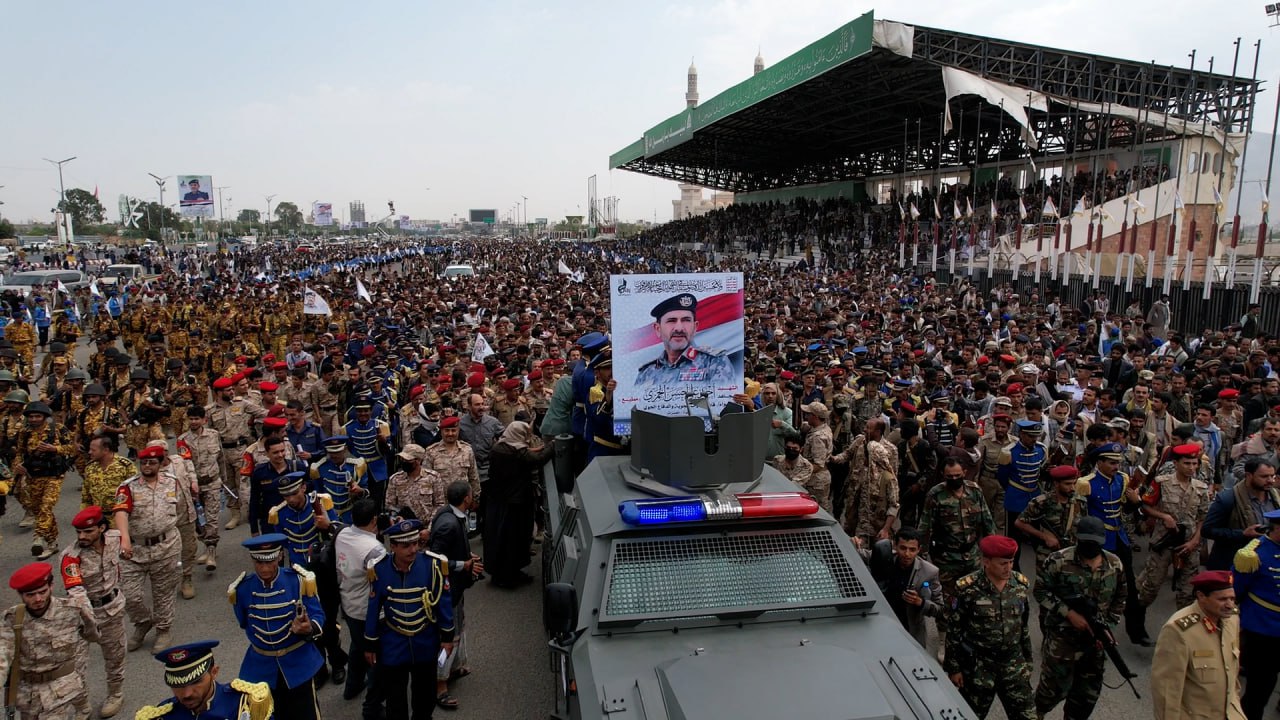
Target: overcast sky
482,103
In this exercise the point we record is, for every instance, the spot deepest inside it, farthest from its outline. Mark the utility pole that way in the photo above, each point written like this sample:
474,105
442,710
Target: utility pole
221,218
62,191
160,184
267,221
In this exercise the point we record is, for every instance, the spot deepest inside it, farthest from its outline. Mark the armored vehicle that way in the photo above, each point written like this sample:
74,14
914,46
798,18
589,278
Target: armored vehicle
684,585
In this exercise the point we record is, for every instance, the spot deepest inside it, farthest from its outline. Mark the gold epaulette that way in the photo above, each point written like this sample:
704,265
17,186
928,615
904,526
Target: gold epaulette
370,569
256,701
595,394
306,581
326,501
966,581
441,560
273,515
1084,488
1187,621
1247,557
231,589
151,712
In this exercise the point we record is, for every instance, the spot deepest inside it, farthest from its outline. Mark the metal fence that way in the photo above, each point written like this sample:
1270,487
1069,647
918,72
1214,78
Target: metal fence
1189,311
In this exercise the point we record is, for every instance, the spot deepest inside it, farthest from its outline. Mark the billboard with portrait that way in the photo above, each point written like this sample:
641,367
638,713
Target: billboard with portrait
322,213
195,195
678,340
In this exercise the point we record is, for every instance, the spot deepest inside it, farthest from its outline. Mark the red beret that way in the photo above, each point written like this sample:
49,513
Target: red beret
984,360
839,371
998,546
1229,394
416,391
1008,358
1186,450
1063,472
222,383
268,386
787,375
483,330
88,517
1212,581
555,362
1002,416
31,576
238,377
368,351
274,422
919,353
442,388
280,366
475,380
451,421
510,384
1014,388
269,357
447,348
535,375
500,370
276,410
151,452
242,359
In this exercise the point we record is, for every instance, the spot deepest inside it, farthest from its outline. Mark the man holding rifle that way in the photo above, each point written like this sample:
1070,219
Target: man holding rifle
1078,589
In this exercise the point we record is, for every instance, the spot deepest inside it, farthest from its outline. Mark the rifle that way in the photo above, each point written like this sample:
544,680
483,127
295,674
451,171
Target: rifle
1088,608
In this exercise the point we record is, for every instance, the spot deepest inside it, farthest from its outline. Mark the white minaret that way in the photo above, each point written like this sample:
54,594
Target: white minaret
691,96
759,63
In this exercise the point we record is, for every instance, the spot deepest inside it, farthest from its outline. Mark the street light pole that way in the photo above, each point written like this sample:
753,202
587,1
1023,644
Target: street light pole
160,181
62,191
267,223
221,217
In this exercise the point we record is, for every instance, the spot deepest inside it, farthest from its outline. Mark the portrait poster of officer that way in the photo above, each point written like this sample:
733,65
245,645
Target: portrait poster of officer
195,195
675,338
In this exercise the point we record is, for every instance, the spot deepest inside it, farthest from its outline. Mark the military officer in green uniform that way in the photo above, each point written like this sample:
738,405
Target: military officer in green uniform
675,321
1050,518
1071,580
989,636
955,517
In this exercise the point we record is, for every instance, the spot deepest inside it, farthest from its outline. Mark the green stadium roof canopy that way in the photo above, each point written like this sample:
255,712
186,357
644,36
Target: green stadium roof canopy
848,107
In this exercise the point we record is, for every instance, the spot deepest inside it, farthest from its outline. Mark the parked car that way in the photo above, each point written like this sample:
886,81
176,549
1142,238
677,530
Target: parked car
26,283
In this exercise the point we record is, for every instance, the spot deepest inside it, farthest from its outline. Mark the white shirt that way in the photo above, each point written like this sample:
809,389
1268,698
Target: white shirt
356,549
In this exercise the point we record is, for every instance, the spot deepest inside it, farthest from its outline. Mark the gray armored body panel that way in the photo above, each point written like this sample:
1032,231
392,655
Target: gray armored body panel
727,617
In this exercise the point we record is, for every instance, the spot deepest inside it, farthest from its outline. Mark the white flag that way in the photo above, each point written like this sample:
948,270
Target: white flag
1022,209
1049,208
1079,208
1138,204
63,288
994,213
968,208
1177,201
481,349
562,268
362,292
313,304
955,208
915,214
937,214
97,291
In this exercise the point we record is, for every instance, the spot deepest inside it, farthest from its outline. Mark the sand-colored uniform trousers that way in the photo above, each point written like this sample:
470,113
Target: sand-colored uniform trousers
51,658
94,576
152,509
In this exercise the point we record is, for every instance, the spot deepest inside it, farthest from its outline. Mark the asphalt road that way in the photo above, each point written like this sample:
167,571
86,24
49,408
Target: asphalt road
508,656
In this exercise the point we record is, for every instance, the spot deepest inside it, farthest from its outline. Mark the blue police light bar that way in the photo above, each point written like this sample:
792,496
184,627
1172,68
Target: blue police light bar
660,511
657,511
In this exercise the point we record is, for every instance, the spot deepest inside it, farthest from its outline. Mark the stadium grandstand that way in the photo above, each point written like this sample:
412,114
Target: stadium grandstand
1025,156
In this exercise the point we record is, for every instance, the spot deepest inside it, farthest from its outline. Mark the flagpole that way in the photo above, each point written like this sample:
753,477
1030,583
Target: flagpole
1244,154
1195,197
1255,286
1210,265
902,243
1155,209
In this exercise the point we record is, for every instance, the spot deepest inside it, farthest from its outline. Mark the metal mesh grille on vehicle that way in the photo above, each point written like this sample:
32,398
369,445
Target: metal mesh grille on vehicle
751,570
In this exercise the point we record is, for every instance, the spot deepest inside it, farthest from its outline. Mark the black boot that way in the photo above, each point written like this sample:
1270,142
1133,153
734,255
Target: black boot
1136,623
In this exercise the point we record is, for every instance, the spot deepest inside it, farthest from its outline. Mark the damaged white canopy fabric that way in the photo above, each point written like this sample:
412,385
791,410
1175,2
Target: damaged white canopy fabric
1014,100
1232,142
895,37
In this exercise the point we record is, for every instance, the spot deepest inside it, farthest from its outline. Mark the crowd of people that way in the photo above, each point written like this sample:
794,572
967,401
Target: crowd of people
365,446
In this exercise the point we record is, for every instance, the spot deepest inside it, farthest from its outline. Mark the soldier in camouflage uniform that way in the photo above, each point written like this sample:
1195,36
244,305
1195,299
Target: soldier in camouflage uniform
818,444
51,657
146,514
1050,518
873,480
955,518
1179,503
42,454
988,645
90,571
791,463
1072,660
991,448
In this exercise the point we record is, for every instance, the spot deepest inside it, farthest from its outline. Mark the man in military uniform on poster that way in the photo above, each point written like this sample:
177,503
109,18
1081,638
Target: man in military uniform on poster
1073,579
409,621
192,674
675,322
988,645
1195,672
278,609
